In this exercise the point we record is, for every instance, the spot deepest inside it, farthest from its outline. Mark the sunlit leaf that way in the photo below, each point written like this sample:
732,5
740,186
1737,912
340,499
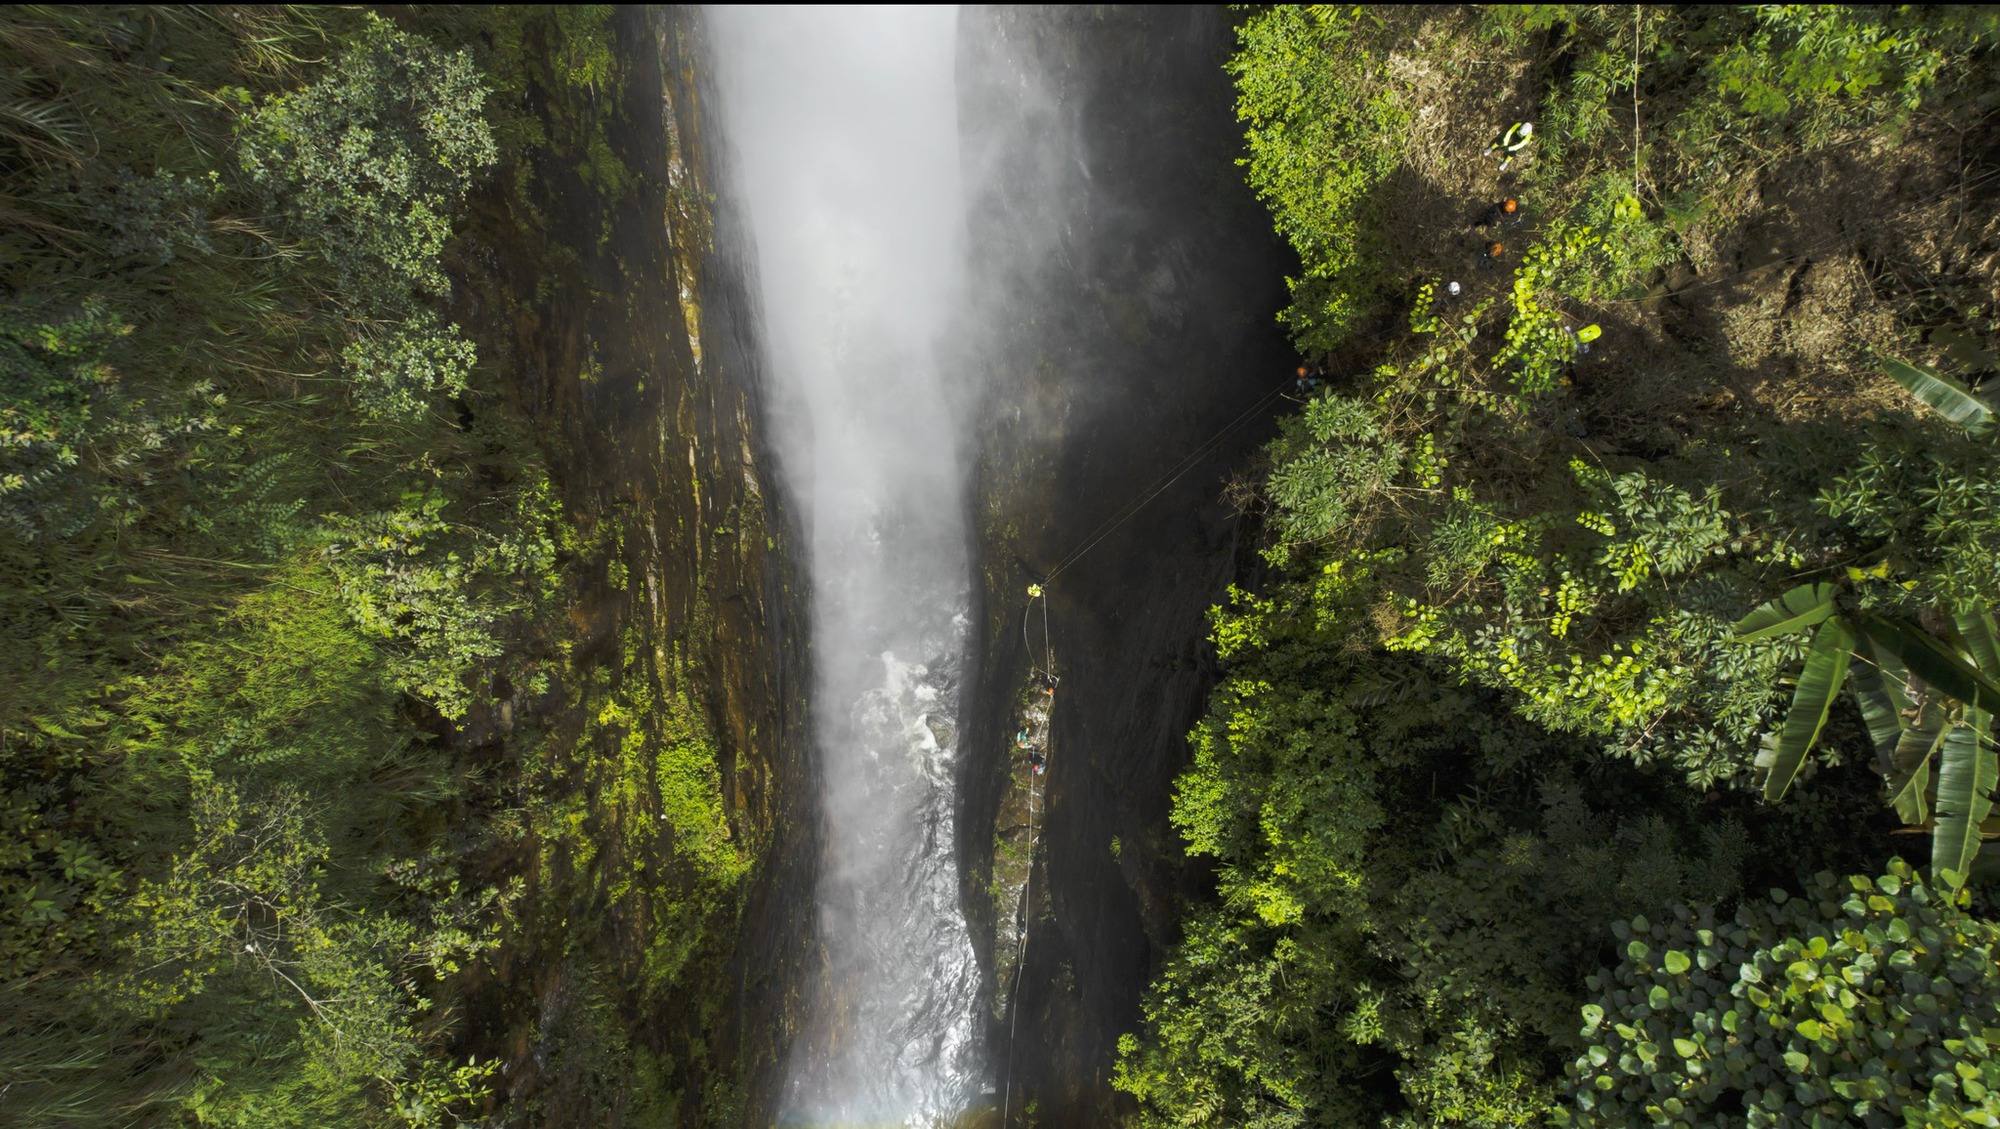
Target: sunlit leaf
1825,670
1976,629
1948,397
1796,610
1909,773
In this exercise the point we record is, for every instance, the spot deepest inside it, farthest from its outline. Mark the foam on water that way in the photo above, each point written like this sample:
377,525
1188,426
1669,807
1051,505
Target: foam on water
844,130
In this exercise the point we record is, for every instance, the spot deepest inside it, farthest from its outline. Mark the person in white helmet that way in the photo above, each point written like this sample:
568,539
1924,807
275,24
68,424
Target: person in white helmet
1510,143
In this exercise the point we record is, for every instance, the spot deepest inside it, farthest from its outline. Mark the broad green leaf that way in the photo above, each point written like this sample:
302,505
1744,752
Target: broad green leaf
1826,669
1910,767
1912,800
1932,661
1967,772
1872,691
1975,628
1952,400
1796,610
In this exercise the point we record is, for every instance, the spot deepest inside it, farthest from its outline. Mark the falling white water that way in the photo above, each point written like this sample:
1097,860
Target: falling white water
843,125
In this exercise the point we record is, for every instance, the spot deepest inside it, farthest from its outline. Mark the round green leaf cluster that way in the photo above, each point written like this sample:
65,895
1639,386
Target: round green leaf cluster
1862,1002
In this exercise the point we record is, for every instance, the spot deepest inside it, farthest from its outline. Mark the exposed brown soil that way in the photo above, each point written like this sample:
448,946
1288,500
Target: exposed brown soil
1147,327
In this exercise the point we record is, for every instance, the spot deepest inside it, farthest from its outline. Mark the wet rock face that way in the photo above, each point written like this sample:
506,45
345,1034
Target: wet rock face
1138,282
633,336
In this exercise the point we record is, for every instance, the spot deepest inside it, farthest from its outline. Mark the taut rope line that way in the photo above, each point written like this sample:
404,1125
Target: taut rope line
1173,474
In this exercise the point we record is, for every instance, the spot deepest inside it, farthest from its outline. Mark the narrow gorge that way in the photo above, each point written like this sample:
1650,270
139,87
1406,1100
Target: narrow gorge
999,567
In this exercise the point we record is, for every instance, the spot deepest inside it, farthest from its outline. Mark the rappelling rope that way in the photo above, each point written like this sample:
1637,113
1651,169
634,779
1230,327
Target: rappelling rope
1048,666
1172,475
1036,594
1026,912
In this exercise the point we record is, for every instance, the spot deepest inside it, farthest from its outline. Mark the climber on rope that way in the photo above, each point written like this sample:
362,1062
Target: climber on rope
1495,251
1038,762
1047,682
1510,143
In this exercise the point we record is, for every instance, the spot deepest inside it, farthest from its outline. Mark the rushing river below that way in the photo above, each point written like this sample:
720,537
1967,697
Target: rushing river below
842,125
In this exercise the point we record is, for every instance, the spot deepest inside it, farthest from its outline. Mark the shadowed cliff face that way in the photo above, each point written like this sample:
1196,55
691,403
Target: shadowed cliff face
1140,324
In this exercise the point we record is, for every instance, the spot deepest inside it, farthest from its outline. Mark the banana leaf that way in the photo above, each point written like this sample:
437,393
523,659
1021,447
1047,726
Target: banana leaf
1796,610
1952,400
1912,804
1875,691
1910,766
1975,628
1932,661
1967,772
1826,669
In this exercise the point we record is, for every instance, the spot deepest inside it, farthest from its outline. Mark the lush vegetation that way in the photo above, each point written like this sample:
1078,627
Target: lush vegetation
281,565
1651,571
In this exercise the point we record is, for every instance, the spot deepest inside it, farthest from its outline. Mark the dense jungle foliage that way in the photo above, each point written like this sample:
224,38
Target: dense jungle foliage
1627,621
276,542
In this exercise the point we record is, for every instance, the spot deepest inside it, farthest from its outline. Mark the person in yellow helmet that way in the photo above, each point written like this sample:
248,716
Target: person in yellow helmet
1034,591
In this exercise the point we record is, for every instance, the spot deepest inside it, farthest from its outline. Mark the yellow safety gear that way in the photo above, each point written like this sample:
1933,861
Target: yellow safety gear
1034,591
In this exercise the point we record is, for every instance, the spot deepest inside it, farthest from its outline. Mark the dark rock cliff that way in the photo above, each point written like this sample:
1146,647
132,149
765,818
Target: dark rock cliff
1136,282
633,340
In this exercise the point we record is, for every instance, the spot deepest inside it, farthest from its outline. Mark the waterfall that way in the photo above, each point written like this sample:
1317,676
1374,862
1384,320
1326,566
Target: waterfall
842,122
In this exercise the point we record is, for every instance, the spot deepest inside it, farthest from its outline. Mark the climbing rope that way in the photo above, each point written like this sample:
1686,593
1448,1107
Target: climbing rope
1038,594
1026,911
1048,667
1172,475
